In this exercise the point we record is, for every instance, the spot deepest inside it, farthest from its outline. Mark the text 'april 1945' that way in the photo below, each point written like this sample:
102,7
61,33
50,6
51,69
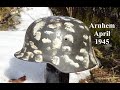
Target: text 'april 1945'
100,34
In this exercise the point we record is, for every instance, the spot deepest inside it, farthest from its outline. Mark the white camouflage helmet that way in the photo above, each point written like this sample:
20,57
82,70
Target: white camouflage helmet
61,41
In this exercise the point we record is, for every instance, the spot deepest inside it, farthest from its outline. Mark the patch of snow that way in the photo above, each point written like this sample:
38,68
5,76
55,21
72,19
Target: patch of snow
13,68
12,41
30,14
76,77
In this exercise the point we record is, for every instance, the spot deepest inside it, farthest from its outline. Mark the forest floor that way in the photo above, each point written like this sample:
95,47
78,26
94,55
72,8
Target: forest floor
101,75
109,71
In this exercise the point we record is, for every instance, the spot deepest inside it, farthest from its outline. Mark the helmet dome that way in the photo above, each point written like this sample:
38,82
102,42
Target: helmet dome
62,41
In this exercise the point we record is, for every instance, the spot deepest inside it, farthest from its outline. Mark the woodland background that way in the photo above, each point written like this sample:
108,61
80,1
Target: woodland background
108,55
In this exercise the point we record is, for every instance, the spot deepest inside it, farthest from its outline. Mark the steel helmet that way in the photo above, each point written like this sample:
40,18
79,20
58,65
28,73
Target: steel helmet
61,41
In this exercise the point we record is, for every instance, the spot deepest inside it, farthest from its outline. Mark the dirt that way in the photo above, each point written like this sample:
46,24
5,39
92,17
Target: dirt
101,75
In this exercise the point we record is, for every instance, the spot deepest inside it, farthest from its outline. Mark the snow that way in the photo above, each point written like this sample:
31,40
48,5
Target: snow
11,67
30,14
12,41
76,77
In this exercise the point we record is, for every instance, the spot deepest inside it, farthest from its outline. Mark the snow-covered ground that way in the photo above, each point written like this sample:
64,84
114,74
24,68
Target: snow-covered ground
12,68
30,14
12,41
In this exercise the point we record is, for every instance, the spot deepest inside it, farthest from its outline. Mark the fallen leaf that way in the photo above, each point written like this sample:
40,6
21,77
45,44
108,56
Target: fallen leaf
19,80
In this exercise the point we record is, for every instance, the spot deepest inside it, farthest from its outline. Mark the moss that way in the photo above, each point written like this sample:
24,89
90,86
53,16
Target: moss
6,17
115,37
98,53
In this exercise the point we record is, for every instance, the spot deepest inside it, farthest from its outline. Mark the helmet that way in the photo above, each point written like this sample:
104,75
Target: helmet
61,41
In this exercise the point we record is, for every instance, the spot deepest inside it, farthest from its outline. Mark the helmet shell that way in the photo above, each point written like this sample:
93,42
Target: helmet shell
62,41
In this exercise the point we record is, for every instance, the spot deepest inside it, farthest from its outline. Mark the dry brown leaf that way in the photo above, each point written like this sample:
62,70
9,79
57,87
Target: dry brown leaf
19,80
